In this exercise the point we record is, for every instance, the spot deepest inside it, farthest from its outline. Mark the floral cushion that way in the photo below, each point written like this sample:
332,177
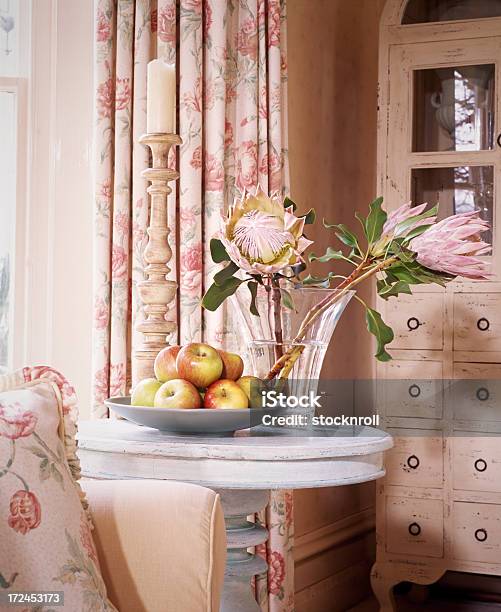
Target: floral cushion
45,533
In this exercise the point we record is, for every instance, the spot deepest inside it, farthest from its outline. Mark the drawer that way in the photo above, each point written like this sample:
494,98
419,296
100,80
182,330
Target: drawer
414,526
476,392
476,462
477,322
417,321
476,532
416,458
412,389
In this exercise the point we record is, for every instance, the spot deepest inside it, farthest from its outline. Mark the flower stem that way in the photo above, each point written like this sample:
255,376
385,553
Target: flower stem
277,316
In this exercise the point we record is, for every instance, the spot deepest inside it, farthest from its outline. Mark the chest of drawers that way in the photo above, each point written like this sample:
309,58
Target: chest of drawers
439,506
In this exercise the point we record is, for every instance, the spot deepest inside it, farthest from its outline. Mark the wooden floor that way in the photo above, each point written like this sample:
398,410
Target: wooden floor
437,605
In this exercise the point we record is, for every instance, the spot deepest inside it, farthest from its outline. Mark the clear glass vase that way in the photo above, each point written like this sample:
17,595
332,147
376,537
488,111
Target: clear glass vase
264,326
265,346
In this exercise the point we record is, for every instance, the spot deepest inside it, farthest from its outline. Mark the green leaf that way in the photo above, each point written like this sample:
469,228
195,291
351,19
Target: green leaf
375,221
405,255
386,291
288,202
309,217
321,281
218,251
415,274
329,254
417,231
383,333
253,291
225,273
345,235
287,300
216,294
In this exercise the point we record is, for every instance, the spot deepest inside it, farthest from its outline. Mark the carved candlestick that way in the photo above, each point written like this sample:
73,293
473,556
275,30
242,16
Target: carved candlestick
156,292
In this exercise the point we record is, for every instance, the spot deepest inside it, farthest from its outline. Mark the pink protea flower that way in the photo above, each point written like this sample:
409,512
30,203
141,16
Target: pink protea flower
261,236
451,246
400,223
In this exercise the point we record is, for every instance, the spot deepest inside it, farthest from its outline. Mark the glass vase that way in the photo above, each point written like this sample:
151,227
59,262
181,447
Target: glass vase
264,327
273,333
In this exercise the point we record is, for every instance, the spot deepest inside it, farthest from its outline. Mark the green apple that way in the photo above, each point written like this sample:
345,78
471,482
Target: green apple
252,387
233,366
178,393
225,394
199,363
144,392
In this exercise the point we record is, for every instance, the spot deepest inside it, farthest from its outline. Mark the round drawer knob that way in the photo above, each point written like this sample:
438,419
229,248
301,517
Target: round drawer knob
414,390
481,535
482,394
414,529
480,465
413,462
483,324
413,323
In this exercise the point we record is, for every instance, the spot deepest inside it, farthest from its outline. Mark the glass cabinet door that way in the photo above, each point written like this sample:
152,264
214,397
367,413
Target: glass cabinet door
443,133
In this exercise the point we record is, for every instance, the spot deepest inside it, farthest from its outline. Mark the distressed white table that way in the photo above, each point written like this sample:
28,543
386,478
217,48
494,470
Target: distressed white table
243,469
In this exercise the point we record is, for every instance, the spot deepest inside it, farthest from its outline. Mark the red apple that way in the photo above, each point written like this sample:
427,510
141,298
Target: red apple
252,387
144,392
233,366
200,364
178,393
225,394
165,363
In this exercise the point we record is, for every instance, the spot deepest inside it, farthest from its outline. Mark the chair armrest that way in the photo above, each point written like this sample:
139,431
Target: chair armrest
161,545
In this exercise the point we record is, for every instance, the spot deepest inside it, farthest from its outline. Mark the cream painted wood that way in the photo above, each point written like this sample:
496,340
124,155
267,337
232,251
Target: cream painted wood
463,499
477,321
476,392
416,459
477,532
242,469
156,292
415,390
476,462
417,321
417,527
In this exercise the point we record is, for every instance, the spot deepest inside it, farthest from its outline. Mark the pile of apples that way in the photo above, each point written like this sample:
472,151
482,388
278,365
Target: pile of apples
195,376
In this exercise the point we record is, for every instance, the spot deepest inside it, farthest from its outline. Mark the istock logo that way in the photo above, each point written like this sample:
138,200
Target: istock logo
274,399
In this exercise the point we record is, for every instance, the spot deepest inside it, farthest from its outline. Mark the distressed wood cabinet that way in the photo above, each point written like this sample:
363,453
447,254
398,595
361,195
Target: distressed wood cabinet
439,507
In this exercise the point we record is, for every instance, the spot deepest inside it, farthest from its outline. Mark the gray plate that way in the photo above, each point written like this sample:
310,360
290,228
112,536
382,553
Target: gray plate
196,421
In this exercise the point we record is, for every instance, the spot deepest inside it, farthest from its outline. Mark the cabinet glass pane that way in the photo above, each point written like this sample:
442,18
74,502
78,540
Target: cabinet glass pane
454,108
7,218
457,190
423,11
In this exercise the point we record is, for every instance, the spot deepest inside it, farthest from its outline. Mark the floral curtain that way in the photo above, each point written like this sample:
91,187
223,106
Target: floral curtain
231,61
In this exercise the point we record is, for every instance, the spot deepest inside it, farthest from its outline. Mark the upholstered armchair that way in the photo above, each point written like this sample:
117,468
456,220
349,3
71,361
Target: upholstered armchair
131,546
161,545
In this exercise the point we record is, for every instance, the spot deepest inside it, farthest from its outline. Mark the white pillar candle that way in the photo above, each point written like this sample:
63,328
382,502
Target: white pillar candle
161,97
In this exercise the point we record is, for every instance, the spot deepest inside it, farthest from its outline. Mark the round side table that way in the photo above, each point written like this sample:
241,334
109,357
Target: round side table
243,469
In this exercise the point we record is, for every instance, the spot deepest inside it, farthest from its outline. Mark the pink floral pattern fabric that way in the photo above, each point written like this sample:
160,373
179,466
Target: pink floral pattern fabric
44,528
232,65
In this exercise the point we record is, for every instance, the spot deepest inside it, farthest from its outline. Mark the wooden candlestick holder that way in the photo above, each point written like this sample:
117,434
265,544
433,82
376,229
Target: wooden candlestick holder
156,292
